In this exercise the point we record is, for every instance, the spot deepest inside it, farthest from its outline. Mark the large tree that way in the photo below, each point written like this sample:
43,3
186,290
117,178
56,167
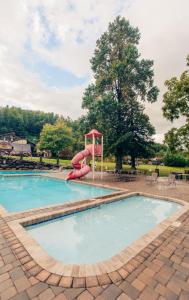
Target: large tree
55,138
122,81
176,105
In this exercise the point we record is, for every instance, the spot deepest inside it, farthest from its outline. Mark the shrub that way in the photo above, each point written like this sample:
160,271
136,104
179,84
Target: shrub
175,160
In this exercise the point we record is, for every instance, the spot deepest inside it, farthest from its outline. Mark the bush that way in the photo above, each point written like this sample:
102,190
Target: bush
175,160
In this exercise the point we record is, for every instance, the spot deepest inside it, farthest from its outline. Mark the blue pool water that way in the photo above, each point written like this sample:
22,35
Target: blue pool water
99,233
23,172
25,192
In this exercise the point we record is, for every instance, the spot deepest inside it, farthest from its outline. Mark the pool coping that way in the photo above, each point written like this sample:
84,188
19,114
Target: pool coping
107,268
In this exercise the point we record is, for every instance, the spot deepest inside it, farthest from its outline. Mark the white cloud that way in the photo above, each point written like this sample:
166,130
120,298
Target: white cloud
164,27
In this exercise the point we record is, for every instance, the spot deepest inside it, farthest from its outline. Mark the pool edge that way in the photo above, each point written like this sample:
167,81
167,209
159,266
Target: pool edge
104,268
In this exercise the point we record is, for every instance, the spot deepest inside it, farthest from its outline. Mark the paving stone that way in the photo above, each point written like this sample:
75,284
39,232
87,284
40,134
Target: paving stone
184,295
22,284
66,282
29,265
4,277
8,293
103,279
16,263
5,268
111,292
25,259
129,267
114,276
16,273
79,282
5,251
35,270
5,285
162,290
36,289
85,296
53,279
22,254
123,273
33,280
139,285
91,281
61,297
130,290
95,291
148,294
56,289
46,295
174,287
123,297
43,275
72,293
21,296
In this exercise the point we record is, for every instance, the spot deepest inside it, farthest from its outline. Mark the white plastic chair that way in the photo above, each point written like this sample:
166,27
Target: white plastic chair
152,178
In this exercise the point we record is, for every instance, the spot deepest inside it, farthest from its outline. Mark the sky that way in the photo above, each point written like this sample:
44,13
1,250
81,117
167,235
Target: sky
46,46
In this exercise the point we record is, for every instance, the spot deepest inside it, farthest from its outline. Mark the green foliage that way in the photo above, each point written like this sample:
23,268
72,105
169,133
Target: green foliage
25,123
175,160
78,134
55,137
159,150
122,81
178,139
176,105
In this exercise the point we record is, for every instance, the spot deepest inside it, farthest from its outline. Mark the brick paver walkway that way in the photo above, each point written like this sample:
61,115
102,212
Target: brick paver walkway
160,271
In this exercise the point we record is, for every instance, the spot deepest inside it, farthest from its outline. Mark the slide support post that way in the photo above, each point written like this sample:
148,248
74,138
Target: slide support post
93,155
102,149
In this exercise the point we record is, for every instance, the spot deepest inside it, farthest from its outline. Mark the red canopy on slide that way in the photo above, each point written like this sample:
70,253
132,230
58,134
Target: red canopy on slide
94,132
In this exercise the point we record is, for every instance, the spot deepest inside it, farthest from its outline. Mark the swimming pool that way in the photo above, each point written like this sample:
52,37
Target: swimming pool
22,172
20,193
99,233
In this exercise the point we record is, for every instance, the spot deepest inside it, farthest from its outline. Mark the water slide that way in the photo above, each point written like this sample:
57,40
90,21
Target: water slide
81,170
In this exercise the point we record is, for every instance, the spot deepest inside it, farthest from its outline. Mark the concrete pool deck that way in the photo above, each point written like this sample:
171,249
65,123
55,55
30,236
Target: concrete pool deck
159,271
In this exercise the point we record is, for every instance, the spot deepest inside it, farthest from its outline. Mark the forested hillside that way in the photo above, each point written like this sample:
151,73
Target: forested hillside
25,123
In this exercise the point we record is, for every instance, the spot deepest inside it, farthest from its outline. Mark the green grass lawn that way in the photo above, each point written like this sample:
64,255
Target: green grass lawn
164,170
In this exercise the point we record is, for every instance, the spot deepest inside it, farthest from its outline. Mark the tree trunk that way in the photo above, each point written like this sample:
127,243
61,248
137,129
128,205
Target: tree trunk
57,160
133,165
40,159
119,159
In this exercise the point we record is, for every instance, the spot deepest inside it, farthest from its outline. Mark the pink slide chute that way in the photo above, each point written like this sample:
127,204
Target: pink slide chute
82,169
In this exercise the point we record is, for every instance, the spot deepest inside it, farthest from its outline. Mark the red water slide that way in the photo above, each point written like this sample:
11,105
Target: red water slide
81,170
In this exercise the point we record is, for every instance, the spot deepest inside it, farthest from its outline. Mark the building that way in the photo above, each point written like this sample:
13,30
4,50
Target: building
5,147
12,144
21,149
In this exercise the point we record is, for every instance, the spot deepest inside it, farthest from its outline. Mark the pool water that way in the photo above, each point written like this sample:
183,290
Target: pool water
26,192
22,172
99,233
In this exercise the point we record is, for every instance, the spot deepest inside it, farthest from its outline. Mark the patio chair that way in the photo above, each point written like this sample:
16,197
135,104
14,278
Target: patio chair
171,180
152,178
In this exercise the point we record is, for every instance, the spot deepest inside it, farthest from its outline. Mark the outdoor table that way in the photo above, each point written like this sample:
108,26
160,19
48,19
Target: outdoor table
181,176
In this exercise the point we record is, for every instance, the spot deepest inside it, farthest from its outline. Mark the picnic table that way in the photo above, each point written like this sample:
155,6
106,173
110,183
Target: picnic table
180,175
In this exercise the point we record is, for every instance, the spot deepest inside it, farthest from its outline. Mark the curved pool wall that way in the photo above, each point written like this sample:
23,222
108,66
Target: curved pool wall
97,234
20,193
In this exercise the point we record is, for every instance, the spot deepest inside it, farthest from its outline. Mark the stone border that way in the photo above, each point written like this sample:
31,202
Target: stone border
87,272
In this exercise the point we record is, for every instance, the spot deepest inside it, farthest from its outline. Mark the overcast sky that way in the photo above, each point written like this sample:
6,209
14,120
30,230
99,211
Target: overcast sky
46,45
